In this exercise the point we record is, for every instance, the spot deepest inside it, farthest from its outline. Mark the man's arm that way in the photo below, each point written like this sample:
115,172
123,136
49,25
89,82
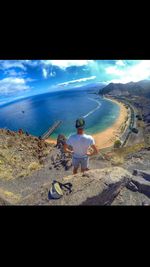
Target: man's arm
66,149
94,152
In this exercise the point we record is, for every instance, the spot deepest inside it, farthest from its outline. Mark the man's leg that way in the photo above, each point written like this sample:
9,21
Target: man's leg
75,163
85,164
75,170
87,169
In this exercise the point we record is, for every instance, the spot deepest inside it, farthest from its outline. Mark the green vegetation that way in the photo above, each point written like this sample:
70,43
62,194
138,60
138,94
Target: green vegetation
117,143
125,151
117,156
123,128
20,155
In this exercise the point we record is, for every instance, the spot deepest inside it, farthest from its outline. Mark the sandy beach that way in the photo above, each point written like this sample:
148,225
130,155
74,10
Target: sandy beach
107,137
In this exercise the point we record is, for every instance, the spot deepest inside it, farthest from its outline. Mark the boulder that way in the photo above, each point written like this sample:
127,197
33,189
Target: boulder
126,197
94,187
68,165
53,158
142,184
132,187
144,174
61,139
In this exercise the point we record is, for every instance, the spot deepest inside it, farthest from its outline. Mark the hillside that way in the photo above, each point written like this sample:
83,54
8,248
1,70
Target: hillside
20,154
28,166
141,88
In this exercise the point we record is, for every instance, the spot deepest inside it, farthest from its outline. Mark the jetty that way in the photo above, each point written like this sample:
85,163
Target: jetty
51,129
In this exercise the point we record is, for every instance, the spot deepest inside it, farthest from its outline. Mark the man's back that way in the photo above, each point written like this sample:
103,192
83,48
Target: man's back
80,144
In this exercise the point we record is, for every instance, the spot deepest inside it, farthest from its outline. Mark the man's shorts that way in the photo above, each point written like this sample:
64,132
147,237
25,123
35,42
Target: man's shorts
84,162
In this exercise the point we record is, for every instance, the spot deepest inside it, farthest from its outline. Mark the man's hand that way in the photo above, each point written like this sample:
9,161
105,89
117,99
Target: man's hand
94,152
67,150
89,154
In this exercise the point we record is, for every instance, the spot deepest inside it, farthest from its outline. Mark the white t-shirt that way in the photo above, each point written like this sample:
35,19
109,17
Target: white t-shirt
80,144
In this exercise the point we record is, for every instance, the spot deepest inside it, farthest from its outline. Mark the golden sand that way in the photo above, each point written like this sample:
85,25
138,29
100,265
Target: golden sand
51,141
108,136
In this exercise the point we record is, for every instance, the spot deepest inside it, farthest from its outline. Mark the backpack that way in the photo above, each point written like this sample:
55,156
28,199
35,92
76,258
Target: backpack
58,189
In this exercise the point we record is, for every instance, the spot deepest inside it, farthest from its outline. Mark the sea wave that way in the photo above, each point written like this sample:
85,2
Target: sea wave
93,110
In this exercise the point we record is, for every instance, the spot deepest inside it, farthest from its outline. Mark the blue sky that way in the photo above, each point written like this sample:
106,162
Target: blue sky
22,78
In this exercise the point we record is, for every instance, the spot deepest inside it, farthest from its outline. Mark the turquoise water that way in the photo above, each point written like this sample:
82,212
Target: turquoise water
41,111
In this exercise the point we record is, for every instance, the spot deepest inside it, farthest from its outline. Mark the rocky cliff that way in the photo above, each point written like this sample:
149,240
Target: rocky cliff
141,88
117,177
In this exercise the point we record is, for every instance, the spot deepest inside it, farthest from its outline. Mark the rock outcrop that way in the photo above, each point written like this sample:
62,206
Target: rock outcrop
109,182
94,187
20,154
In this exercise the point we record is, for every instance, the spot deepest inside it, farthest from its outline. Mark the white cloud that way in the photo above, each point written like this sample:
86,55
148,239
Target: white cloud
22,64
10,72
63,64
52,74
44,71
114,70
32,63
7,64
77,81
14,73
120,63
12,84
30,79
138,71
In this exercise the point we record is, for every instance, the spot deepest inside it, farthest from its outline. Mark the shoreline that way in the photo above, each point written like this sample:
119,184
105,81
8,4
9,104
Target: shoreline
107,137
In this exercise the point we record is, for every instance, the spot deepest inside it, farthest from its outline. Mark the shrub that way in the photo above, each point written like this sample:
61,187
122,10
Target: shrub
117,160
117,144
33,166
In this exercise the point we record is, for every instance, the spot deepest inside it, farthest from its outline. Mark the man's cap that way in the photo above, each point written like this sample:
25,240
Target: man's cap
80,123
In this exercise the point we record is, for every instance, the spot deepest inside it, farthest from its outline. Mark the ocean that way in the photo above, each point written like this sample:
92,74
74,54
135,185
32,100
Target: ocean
38,113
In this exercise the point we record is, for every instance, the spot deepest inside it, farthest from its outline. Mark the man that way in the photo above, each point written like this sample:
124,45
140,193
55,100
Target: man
80,144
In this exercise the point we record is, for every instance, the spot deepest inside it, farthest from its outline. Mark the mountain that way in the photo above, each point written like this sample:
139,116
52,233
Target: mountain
141,88
91,86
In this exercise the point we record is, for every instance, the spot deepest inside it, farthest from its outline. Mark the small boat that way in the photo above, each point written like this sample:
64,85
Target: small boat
22,111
